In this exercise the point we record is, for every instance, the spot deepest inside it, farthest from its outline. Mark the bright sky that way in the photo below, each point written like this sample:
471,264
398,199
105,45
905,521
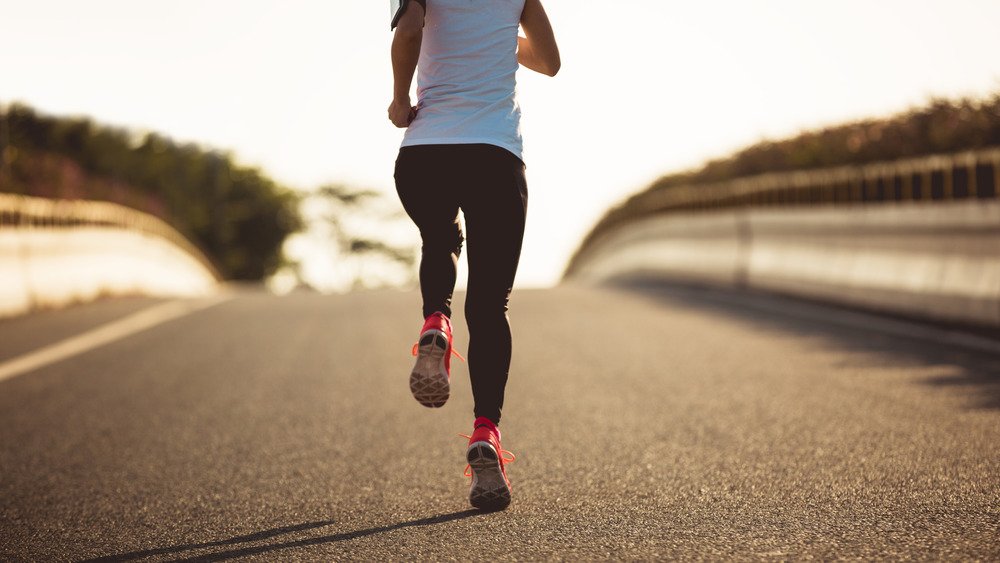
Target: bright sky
647,86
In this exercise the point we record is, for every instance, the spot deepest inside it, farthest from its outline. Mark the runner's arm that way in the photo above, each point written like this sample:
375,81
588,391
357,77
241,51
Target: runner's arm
405,53
537,50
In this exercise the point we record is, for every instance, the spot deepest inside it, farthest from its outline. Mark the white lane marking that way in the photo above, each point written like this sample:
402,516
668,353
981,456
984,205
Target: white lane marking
860,319
105,334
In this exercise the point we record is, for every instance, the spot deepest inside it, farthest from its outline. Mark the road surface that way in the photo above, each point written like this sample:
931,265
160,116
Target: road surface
649,422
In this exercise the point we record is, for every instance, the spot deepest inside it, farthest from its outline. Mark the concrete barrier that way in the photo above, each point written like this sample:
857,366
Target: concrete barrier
935,257
53,253
940,260
705,247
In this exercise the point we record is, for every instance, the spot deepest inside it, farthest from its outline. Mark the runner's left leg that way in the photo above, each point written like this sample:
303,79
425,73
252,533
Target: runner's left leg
423,181
428,194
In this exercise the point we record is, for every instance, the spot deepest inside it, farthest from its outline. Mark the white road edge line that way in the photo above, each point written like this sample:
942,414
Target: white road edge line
105,334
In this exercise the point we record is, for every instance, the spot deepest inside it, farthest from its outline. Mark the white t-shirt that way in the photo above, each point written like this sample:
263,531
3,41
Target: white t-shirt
465,75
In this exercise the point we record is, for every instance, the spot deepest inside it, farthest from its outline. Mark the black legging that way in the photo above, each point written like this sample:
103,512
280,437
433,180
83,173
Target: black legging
487,183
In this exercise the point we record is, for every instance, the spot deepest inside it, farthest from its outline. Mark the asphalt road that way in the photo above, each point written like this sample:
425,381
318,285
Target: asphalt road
650,423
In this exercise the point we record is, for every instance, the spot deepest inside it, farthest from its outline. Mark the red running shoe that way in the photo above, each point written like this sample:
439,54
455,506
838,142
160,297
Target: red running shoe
490,488
430,380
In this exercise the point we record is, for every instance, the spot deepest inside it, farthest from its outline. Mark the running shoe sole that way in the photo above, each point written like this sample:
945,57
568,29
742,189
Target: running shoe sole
490,490
429,380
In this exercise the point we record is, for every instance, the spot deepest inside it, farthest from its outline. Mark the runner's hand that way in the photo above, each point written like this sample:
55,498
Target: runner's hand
401,113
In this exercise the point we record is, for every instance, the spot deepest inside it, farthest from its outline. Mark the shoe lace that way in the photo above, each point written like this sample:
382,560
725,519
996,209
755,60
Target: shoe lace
454,352
506,456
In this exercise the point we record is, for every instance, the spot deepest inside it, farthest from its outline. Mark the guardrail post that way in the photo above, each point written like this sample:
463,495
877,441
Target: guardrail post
948,177
895,190
973,172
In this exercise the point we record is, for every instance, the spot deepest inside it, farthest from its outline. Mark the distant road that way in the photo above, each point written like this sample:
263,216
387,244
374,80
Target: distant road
649,423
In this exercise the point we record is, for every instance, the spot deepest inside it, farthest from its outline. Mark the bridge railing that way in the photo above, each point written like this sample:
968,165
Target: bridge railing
57,251
25,211
918,236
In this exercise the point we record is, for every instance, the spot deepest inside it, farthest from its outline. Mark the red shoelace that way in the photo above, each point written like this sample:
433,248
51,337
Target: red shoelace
416,346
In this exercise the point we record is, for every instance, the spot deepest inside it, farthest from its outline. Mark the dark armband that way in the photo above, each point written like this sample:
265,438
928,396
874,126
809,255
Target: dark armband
398,7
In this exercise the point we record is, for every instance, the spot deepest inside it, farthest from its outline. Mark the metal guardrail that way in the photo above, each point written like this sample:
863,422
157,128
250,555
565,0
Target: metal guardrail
19,211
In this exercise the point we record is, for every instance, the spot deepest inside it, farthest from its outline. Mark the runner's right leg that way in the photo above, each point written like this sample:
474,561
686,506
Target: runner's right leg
495,208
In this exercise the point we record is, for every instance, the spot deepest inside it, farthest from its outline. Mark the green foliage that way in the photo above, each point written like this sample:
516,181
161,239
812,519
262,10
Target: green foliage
942,126
236,214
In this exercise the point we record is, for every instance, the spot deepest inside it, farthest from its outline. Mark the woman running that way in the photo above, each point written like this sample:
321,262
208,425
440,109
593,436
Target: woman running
462,150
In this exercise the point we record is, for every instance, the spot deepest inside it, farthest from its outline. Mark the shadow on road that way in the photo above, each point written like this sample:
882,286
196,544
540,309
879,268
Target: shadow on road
978,371
268,534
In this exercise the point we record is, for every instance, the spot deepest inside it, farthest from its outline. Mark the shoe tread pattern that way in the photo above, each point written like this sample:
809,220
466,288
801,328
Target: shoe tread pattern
429,381
489,490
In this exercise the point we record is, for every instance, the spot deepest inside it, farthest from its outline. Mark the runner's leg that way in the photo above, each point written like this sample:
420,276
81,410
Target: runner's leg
423,182
494,199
